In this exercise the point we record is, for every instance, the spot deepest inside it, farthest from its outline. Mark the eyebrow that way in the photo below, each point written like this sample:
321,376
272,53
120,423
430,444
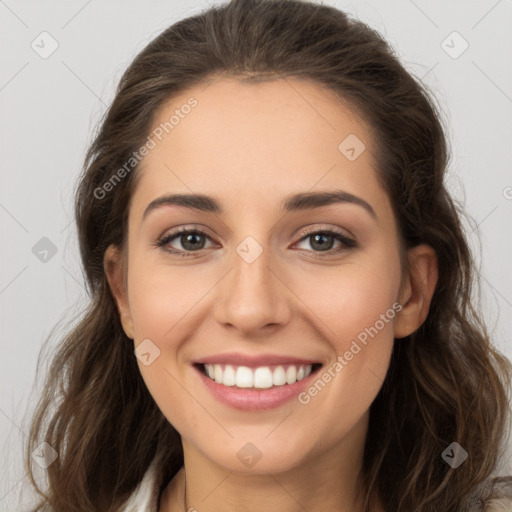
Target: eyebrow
301,201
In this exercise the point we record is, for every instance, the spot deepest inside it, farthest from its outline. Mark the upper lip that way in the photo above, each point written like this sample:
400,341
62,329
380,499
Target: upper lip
253,361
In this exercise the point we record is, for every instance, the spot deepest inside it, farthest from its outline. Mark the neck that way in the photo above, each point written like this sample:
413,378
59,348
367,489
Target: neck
327,481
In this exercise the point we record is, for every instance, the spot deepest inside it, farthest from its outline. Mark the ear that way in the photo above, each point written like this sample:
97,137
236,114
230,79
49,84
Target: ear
114,265
417,290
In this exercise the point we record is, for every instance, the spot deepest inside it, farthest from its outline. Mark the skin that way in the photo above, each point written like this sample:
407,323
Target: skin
249,146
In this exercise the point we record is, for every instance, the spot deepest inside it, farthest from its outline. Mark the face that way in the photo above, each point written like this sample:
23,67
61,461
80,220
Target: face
290,260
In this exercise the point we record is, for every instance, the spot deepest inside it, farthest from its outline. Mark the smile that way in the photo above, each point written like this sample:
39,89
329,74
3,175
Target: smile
255,387
262,377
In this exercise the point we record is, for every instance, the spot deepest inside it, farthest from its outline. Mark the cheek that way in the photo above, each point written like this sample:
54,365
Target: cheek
356,312
163,301
350,298
355,308
161,296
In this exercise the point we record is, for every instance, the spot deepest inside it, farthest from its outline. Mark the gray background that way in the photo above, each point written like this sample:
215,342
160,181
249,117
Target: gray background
50,107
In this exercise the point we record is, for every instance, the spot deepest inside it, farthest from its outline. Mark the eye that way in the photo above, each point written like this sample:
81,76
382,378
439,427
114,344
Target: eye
193,240
190,240
324,240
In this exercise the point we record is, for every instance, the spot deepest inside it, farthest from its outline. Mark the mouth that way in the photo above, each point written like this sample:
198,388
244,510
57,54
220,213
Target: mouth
254,382
257,378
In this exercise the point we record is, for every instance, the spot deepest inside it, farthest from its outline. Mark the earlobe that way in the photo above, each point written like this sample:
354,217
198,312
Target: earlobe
417,291
114,264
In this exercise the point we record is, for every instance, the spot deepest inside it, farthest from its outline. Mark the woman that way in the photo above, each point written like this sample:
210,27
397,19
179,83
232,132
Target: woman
320,349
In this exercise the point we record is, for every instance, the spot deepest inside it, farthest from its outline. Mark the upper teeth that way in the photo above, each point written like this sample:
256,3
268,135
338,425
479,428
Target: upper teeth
261,377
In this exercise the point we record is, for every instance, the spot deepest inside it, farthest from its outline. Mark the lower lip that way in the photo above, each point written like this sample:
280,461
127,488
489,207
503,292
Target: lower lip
255,399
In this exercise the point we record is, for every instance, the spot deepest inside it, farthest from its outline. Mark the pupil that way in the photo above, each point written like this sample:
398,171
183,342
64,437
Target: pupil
322,246
189,240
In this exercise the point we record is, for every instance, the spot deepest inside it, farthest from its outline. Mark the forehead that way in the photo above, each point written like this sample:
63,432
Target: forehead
253,143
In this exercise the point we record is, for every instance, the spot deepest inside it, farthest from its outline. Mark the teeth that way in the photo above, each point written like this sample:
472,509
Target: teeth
218,374
278,377
244,376
228,376
261,378
291,375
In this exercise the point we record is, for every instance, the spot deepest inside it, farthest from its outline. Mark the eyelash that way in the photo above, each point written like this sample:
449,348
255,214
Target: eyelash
347,243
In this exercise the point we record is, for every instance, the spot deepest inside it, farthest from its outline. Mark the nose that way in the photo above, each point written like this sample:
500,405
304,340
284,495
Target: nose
253,298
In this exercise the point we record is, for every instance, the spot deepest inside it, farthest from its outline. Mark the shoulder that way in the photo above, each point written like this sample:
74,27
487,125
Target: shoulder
494,495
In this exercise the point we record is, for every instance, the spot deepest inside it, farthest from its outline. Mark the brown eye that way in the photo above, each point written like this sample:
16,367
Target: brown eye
192,241
183,241
324,240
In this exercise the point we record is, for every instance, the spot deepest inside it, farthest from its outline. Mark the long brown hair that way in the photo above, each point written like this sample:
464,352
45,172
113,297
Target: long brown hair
446,382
